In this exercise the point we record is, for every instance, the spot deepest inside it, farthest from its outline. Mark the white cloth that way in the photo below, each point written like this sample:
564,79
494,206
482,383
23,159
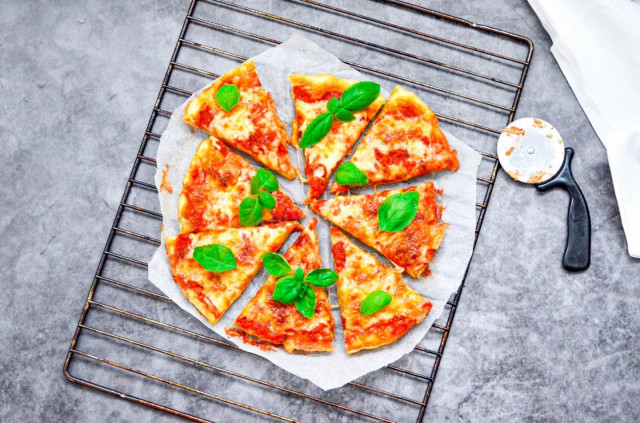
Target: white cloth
597,45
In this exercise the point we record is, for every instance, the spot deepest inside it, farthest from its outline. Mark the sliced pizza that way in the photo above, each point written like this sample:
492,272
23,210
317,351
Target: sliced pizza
360,275
311,93
411,248
248,122
212,293
404,142
214,186
282,324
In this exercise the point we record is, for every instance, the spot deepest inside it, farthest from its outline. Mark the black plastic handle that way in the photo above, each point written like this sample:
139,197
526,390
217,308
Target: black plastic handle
577,253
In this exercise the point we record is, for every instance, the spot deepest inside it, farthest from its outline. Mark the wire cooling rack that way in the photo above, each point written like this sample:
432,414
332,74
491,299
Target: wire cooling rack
134,343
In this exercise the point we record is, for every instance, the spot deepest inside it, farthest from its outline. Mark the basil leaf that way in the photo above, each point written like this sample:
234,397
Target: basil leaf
398,211
255,185
215,257
299,274
333,105
306,304
344,115
359,96
228,97
350,175
268,180
266,200
288,289
375,301
250,212
317,130
322,277
276,265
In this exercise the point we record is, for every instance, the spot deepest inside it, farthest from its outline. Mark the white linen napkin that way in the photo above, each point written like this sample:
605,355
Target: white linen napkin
597,45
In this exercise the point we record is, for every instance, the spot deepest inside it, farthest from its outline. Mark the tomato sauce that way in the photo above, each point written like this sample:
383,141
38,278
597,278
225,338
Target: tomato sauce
235,333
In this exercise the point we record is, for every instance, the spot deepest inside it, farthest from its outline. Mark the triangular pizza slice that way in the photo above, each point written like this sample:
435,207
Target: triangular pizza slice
252,125
404,142
214,186
212,293
359,275
282,324
411,248
311,93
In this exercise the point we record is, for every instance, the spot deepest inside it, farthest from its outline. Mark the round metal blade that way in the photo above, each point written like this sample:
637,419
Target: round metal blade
530,150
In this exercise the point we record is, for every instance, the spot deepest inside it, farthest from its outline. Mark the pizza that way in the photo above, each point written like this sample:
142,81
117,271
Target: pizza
404,142
213,293
214,186
311,93
360,274
282,324
411,248
252,126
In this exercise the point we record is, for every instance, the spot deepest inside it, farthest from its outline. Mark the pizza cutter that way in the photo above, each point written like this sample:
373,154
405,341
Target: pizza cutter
531,151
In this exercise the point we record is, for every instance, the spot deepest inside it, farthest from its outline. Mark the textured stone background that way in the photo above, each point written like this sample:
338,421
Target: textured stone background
78,79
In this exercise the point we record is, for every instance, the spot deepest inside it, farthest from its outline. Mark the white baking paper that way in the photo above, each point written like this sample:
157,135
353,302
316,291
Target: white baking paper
326,370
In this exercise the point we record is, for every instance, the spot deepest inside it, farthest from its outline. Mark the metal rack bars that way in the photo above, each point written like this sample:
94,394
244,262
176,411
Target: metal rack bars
121,274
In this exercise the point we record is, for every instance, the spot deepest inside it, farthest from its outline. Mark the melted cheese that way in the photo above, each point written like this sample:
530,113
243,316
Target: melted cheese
213,293
411,248
214,186
311,93
253,126
282,324
404,142
359,275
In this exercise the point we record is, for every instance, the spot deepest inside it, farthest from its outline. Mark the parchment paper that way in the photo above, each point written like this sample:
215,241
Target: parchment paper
327,370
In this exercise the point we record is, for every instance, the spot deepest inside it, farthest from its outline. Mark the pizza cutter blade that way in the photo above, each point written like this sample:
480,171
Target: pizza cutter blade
531,151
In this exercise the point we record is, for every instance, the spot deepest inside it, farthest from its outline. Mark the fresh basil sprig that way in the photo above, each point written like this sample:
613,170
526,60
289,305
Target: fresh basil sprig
228,97
215,257
356,98
293,287
263,183
398,211
374,302
350,175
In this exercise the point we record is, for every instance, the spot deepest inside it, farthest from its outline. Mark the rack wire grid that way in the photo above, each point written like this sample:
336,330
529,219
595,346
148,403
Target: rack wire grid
133,342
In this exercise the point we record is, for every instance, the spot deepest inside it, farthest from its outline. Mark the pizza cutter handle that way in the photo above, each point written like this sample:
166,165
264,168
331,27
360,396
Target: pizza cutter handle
577,253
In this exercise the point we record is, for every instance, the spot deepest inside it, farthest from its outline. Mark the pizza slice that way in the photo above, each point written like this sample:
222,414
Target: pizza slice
212,293
282,324
411,248
311,93
404,142
252,125
359,275
214,186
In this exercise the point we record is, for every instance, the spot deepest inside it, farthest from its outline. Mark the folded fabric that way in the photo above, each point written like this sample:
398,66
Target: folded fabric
597,45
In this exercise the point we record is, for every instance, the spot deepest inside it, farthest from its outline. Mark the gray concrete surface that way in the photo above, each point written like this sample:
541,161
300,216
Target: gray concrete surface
78,79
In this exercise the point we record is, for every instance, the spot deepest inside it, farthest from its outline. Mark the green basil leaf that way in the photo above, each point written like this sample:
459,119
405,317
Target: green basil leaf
398,211
322,277
344,115
255,185
268,180
375,301
359,96
350,175
306,303
317,130
276,265
228,97
266,200
288,289
299,274
333,105
215,257
250,212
